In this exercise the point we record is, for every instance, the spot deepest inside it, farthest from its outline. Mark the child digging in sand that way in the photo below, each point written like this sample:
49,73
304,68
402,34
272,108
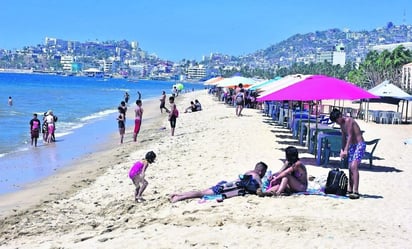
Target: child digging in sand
137,174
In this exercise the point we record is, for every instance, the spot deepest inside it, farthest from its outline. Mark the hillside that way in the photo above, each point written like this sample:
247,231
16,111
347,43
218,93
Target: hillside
357,44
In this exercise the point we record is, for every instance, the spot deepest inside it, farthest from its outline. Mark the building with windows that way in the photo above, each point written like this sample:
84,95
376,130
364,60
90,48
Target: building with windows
67,62
337,57
392,46
196,72
406,81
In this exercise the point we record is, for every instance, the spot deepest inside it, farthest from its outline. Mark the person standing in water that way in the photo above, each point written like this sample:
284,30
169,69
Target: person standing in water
34,129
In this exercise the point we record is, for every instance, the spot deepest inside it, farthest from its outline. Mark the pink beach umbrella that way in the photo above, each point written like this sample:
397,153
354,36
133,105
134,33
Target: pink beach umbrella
319,87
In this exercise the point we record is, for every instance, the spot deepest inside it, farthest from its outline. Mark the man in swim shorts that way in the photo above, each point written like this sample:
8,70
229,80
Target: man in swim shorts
353,148
257,173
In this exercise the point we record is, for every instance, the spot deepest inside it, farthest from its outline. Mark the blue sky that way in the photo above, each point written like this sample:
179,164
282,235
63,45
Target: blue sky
186,29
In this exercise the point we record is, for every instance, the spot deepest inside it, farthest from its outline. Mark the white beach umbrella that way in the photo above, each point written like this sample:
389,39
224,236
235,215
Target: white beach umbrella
235,81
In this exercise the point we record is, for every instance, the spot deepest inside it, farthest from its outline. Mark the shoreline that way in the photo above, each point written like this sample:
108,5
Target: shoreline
72,174
210,146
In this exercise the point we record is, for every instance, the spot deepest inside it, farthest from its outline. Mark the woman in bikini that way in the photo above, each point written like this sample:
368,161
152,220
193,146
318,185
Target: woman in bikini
292,177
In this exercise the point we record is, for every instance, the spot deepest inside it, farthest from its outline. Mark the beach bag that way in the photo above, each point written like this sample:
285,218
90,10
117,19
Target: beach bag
248,183
336,183
176,113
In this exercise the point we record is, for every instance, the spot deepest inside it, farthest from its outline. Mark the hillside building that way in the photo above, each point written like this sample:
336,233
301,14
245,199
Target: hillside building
392,46
337,57
66,62
406,81
196,72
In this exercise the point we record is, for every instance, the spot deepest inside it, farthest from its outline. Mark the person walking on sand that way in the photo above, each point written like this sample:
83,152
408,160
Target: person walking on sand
34,129
138,111
224,187
163,102
120,122
353,148
173,114
137,175
240,99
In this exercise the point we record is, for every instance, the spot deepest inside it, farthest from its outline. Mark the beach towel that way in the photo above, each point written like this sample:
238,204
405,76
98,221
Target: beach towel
215,198
321,193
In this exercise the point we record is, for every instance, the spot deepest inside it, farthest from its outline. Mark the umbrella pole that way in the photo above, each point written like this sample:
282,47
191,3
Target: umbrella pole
315,140
308,131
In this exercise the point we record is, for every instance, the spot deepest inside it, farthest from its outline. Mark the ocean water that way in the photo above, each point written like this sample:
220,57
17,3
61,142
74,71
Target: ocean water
81,105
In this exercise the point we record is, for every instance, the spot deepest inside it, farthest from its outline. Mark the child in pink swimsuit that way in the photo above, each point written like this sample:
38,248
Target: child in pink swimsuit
137,174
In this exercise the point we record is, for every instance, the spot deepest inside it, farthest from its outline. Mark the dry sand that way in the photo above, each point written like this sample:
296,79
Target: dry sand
92,206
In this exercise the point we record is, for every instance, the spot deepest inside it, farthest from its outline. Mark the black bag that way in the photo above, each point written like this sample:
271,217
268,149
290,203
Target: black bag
337,182
249,184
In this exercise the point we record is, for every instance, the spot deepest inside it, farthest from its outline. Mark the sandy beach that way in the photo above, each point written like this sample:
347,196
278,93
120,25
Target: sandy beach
91,205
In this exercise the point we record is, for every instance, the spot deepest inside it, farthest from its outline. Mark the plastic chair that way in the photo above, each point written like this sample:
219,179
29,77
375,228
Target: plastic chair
332,148
384,117
397,118
369,154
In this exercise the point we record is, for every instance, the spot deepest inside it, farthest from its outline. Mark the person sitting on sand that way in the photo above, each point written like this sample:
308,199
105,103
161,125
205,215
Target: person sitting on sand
256,179
137,175
292,177
198,105
191,108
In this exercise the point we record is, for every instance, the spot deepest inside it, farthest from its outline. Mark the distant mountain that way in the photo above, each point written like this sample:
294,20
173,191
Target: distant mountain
303,47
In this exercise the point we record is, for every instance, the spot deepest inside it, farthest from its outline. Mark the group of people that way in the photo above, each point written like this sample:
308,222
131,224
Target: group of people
194,106
121,119
48,127
291,178
238,97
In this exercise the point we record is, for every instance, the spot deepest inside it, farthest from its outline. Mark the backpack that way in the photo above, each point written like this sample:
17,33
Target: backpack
248,183
176,113
337,183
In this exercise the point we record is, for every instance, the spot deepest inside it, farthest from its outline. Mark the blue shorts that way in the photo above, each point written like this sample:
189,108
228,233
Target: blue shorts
217,189
356,152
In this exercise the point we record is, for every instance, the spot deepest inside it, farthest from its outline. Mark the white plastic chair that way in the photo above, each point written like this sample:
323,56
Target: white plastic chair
397,118
384,117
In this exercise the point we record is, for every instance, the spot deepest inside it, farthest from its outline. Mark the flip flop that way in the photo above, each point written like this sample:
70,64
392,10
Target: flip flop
354,196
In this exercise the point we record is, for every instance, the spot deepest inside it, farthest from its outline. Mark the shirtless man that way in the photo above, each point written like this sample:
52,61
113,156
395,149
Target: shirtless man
257,174
353,147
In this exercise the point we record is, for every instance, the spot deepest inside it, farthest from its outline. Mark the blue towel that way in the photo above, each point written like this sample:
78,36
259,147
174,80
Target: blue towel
211,198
